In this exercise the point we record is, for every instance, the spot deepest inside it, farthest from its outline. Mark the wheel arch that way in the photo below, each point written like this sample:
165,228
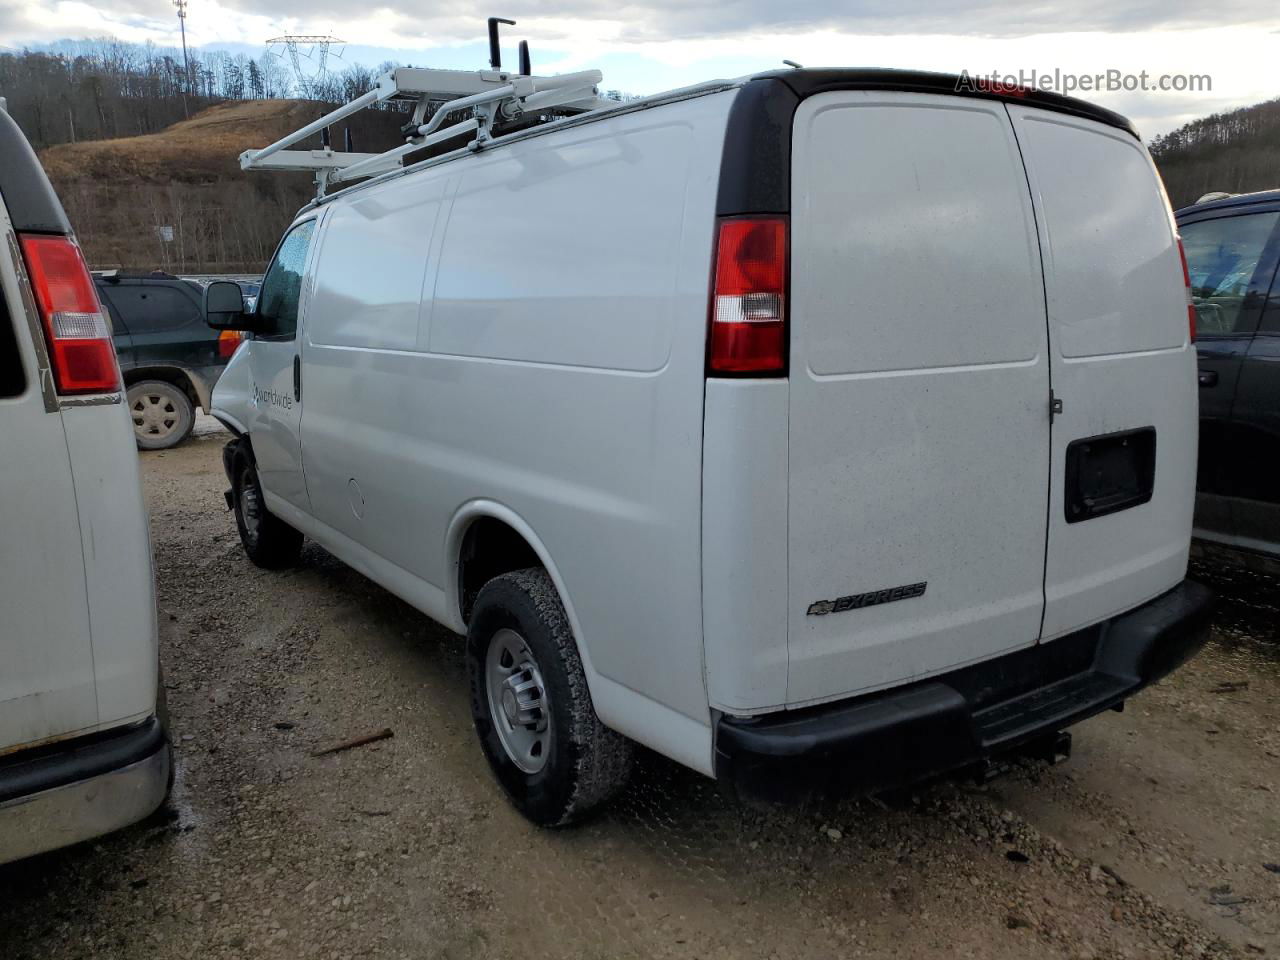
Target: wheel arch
640,717
468,520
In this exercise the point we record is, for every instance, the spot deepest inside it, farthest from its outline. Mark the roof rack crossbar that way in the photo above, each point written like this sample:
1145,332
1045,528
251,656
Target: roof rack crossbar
491,96
359,103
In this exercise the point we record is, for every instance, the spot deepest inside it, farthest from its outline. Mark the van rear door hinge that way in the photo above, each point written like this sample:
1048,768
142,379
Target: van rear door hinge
1055,406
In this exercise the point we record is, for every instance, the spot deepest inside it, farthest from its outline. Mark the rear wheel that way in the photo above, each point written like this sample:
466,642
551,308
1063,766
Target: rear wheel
268,540
532,710
162,414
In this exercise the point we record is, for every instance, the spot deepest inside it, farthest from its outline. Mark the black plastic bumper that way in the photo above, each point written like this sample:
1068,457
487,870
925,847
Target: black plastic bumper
965,718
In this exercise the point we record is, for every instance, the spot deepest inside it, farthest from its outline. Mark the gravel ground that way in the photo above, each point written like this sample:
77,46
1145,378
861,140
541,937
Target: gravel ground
1160,838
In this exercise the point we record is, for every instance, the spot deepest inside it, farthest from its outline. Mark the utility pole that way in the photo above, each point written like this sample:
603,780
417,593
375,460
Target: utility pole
186,62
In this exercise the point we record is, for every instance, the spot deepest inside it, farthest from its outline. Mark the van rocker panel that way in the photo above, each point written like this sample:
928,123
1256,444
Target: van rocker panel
961,719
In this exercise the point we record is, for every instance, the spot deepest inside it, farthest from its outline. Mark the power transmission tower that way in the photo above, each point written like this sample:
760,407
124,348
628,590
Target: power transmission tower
305,47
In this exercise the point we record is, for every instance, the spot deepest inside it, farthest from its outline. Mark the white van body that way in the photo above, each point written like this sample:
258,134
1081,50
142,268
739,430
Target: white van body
82,751
519,335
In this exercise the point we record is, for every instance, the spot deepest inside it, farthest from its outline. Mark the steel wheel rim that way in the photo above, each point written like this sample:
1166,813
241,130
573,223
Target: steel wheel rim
518,703
154,414
250,505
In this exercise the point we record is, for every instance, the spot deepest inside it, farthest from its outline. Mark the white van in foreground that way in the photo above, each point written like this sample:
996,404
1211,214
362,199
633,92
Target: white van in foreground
82,748
823,422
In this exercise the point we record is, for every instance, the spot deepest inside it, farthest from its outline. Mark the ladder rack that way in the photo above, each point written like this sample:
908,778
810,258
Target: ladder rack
490,96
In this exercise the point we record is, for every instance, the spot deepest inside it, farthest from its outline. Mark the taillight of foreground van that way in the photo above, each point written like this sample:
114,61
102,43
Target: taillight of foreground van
1186,280
80,349
748,328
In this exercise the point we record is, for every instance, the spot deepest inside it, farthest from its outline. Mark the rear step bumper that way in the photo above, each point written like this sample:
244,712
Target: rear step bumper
965,718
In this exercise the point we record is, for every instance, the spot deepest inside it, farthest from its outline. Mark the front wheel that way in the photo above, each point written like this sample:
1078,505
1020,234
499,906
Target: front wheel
531,707
268,540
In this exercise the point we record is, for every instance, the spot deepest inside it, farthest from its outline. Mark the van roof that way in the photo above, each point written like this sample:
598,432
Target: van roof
1233,200
801,82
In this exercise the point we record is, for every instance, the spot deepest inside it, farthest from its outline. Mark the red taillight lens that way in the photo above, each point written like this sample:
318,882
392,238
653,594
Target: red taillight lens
75,325
748,332
228,341
1186,279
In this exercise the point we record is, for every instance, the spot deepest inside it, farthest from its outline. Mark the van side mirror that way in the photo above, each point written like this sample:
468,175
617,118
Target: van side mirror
224,307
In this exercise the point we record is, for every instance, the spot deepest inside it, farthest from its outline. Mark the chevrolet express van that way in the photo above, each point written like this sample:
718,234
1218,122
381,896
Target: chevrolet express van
823,420
83,749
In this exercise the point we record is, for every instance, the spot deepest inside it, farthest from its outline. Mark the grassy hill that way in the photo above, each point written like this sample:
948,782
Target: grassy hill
1238,152
118,193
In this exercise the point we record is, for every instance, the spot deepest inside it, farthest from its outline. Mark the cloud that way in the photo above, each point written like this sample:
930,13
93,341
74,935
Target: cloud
635,23
647,21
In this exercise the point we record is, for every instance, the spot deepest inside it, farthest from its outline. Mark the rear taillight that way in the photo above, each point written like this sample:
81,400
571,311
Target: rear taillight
748,334
228,341
1186,280
75,325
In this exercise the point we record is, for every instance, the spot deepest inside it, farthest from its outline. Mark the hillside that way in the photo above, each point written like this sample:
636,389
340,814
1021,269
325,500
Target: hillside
119,192
1238,152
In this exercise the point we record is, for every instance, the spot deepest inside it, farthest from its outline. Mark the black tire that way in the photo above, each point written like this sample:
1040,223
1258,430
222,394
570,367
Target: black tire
269,541
586,762
162,414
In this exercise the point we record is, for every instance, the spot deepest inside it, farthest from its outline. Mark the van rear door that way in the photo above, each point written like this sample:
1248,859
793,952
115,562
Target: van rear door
1122,479
919,392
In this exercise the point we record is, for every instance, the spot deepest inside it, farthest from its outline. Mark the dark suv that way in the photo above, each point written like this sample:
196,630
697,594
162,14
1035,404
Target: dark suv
169,357
1233,246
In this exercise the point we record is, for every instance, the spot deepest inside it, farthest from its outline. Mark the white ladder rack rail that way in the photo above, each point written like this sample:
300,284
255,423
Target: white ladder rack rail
491,96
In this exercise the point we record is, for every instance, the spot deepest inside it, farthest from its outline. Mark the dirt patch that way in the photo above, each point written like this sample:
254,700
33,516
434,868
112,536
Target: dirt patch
1153,842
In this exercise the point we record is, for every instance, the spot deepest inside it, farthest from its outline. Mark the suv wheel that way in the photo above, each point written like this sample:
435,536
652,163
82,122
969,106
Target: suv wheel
162,414
269,541
531,706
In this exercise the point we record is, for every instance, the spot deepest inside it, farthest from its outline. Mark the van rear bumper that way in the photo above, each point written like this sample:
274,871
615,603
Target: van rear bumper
57,795
965,718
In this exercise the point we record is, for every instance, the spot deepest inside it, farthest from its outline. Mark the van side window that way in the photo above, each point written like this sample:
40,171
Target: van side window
282,285
12,380
1222,256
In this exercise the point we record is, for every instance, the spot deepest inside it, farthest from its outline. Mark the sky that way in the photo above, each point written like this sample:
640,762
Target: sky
644,46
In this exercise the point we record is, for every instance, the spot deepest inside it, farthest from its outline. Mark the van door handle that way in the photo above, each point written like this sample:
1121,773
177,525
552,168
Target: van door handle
1208,378
297,379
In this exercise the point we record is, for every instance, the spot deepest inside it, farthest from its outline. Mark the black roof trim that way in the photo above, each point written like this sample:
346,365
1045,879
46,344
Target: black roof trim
1226,203
808,82
755,170
33,206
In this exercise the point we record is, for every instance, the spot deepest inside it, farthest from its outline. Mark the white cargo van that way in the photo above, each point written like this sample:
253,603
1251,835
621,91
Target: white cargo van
825,421
82,750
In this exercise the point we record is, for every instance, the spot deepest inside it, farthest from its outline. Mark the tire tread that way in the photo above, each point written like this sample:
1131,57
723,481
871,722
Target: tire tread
602,756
